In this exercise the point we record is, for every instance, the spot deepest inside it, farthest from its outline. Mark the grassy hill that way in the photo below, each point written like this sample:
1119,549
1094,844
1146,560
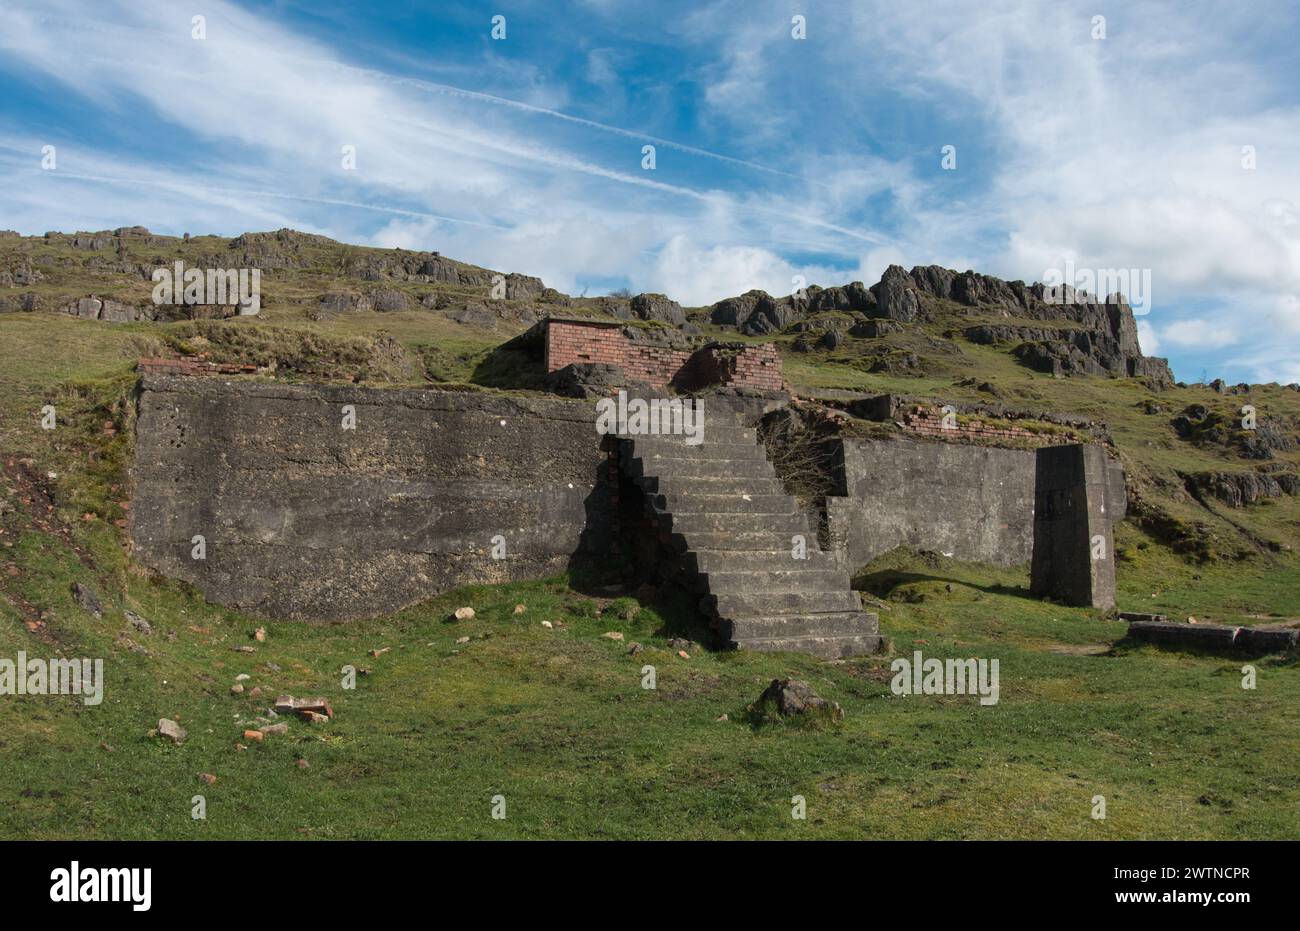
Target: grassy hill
556,719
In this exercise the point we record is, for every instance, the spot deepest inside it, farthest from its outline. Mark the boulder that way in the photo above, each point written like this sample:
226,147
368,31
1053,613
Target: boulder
792,698
591,380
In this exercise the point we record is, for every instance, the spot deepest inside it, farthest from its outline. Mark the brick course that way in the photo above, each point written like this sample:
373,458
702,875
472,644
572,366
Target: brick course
193,367
928,421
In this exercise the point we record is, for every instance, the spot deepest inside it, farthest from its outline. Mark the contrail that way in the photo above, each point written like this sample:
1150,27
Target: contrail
188,190
453,91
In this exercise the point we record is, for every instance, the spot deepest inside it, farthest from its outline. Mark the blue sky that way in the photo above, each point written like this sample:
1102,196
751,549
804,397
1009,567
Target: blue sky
776,157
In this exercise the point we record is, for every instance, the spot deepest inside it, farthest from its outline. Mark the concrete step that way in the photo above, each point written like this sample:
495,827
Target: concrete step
658,448
702,560
836,624
709,485
808,580
787,524
822,647
736,542
672,468
715,431
740,604
681,503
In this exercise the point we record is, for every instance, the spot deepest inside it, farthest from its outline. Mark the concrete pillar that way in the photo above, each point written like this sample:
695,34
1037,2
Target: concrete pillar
1074,558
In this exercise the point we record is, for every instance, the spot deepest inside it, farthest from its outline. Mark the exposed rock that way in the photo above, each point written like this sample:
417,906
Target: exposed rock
831,339
658,307
389,300
754,313
873,329
590,380
87,599
474,314
896,297
138,622
791,698
1238,489
171,730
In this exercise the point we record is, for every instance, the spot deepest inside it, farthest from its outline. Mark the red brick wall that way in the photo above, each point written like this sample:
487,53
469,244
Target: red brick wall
750,367
192,367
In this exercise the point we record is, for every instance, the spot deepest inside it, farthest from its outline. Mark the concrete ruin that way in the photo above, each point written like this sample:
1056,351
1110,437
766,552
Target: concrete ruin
1073,559
324,503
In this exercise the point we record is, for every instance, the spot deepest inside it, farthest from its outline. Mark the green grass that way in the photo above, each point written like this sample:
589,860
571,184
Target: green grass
557,721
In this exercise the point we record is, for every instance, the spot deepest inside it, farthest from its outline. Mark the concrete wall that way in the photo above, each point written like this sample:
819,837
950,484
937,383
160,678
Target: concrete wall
304,519
1074,557
970,502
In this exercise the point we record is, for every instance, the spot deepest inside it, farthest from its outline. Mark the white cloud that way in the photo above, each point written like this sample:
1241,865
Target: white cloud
1147,338
1198,333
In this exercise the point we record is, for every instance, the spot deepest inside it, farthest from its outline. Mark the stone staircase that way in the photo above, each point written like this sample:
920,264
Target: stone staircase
726,513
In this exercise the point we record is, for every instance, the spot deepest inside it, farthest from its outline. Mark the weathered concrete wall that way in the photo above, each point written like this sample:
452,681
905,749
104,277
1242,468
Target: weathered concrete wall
304,519
1074,555
973,503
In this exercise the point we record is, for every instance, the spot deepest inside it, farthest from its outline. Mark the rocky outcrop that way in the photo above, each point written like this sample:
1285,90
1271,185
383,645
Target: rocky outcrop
896,296
754,313
93,308
1205,427
1238,489
658,307
1071,334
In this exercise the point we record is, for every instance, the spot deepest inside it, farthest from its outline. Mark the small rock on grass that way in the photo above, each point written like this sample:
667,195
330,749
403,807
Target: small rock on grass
612,635
87,599
275,729
462,639
520,609
236,689
207,779
138,622
253,735
463,614
634,648
171,730
548,625
793,698
260,634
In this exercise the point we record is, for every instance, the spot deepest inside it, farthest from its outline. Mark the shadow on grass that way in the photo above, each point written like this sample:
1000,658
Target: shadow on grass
882,583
